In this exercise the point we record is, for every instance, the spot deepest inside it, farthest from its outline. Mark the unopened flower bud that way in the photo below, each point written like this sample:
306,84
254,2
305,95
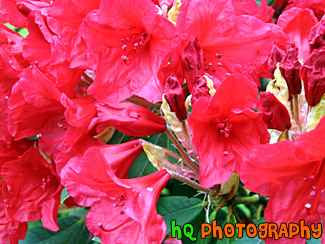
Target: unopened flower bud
200,89
313,75
175,97
317,35
192,62
290,68
276,56
275,114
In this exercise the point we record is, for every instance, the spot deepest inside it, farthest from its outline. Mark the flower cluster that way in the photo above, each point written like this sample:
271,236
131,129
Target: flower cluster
190,69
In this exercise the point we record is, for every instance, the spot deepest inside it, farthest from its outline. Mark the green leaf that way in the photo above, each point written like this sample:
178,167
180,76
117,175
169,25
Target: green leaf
64,195
72,230
97,240
208,239
231,220
32,138
264,83
118,138
269,2
258,2
247,240
313,241
181,209
23,32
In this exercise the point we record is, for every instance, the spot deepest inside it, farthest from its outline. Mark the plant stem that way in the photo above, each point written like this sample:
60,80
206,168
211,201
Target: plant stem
87,77
259,211
296,110
187,160
142,102
247,200
189,182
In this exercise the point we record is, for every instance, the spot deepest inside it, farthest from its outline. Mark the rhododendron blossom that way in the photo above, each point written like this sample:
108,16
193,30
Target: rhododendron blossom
221,125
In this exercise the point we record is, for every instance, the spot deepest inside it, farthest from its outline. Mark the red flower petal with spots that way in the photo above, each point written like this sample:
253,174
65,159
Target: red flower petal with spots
122,209
132,40
34,189
225,128
230,43
292,173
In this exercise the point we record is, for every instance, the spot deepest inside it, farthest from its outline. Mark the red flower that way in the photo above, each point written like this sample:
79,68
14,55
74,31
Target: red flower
317,6
131,119
297,24
34,189
10,150
11,230
17,11
32,104
122,209
230,43
250,7
132,40
64,18
225,128
292,173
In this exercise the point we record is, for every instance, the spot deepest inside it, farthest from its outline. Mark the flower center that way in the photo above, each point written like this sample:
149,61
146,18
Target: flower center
120,202
133,44
224,128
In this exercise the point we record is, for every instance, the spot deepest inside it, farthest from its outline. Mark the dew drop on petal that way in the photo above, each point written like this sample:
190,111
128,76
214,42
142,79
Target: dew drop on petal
149,189
312,193
225,153
312,177
308,205
314,187
305,179
99,224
